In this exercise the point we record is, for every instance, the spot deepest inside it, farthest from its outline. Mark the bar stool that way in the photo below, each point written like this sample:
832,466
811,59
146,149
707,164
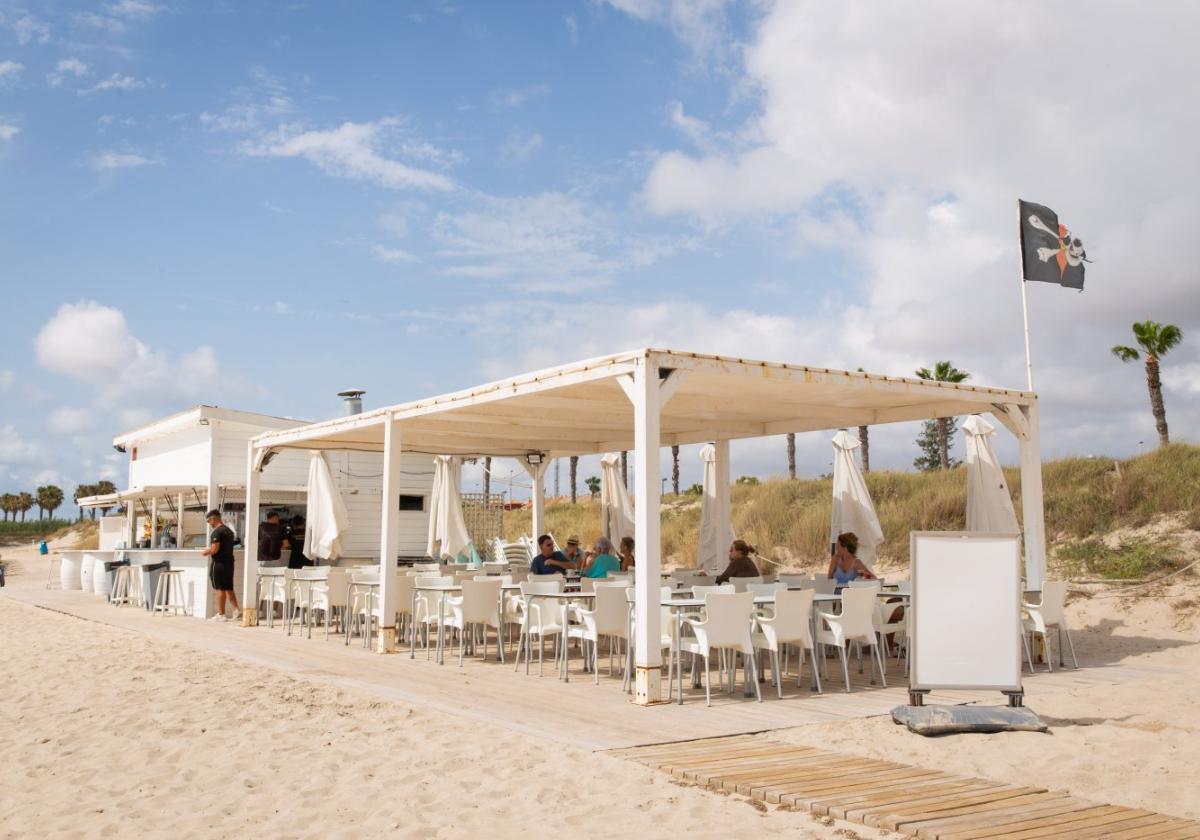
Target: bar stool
170,583
121,591
54,570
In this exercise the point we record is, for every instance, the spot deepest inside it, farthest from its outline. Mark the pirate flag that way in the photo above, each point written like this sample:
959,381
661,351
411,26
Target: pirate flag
1049,252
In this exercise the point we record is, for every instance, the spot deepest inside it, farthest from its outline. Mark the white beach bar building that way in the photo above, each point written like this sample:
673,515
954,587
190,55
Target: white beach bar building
188,463
643,400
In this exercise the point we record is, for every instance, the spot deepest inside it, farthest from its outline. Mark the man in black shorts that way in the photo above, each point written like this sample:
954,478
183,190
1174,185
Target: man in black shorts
220,572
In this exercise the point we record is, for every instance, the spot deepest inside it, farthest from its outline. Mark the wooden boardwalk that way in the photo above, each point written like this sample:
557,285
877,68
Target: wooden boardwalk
922,803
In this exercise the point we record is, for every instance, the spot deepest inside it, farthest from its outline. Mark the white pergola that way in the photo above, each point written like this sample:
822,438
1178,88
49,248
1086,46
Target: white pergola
643,400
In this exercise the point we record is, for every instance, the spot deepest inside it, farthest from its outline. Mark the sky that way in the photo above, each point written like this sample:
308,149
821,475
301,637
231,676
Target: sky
256,205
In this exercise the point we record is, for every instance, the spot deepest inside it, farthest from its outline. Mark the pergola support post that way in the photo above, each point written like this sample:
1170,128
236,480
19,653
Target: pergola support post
723,492
154,523
389,537
1032,508
537,472
179,522
130,524
645,396
250,540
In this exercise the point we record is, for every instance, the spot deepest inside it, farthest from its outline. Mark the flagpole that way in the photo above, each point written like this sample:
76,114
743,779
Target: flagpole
1024,299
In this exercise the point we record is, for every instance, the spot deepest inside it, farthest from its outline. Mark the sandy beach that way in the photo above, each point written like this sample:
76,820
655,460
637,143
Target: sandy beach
110,732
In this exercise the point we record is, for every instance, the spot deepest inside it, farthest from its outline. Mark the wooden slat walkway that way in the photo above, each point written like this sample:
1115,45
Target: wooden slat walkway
923,803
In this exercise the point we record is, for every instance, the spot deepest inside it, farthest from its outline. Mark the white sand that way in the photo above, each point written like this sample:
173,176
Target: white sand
105,732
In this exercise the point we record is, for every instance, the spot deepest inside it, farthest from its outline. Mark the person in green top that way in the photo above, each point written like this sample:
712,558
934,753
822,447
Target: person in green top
603,561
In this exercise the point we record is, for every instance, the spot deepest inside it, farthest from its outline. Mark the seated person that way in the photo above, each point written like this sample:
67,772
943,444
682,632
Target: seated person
548,561
740,564
845,566
603,561
575,554
626,554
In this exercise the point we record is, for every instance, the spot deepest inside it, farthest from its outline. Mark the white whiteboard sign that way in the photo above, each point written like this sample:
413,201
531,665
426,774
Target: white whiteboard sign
966,611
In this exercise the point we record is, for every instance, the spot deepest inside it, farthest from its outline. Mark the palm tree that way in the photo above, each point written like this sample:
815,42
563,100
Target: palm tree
24,503
574,474
104,487
8,505
864,441
82,491
675,469
943,372
791,455
49,497
1156,340
593,485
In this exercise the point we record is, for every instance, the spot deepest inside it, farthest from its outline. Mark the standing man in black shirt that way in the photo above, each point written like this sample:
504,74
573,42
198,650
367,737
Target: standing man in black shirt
272,539
220,572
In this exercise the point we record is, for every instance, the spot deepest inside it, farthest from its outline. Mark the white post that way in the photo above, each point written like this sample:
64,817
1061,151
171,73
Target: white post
130,524
537,472
179,523
250,540
389,536
1032,511
154,523
723,491
647,490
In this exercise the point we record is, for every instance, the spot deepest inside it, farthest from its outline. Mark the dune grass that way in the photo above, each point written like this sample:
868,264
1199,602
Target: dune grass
788,521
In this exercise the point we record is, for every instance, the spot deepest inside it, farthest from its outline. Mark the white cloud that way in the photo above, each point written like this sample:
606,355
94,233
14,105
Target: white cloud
108,161
116,81
10,71
47,477
357,151
572,29
66,67
8,130
92,344
700,24
516,97
15,449
520,146
70,421
25,26
137,10
391,255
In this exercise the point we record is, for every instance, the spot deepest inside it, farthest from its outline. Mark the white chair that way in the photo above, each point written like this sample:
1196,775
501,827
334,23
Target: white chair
1051,612
884,626
425,615
855,623
726,626
766,588
700,592
666,639
740,583
824,585
478,606
273,589
362,592
864,584
540,617
309,592
490,568
518,553
798,581
427,568
607,618
790,625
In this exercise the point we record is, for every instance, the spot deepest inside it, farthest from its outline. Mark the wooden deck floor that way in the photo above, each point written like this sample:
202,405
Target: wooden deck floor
584,714
922,803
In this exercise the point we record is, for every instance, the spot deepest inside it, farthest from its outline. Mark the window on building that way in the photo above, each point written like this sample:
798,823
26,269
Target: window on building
412,503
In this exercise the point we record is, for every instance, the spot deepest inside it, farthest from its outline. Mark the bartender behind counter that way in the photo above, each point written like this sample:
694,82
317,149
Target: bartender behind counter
271,540
295,536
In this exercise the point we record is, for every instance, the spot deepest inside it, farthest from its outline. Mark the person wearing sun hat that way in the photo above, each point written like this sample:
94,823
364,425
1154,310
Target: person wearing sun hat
574,553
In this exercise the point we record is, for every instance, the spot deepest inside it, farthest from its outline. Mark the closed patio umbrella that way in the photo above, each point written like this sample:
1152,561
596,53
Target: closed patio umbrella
327,520
447,526
616,508
989,504
716,524
853,509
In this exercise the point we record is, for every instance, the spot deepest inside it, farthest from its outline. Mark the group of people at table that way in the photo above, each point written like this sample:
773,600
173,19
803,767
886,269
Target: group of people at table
601,561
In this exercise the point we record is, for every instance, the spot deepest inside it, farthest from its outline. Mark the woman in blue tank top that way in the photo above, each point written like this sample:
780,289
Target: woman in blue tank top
845,566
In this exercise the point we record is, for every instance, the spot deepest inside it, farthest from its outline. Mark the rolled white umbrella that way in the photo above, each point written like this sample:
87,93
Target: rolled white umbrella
616,508
716,522
989,504
448,533
853,509
327,521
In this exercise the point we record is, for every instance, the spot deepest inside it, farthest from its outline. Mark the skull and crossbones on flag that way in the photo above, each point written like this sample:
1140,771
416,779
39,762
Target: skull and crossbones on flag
1050,253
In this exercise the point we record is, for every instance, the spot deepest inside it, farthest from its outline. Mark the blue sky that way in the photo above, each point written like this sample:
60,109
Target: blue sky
258,204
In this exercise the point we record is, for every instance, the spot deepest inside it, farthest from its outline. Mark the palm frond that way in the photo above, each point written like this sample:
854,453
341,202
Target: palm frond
1126,354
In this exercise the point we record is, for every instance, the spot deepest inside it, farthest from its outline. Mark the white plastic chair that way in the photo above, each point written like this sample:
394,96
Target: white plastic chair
607,618
363,594
740,583
666,639
790,625
307,595
478,606
854,624
824,586
864,584
726,626
798,581
490,568
539,616
700,592
1051,612
766,588
426,613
